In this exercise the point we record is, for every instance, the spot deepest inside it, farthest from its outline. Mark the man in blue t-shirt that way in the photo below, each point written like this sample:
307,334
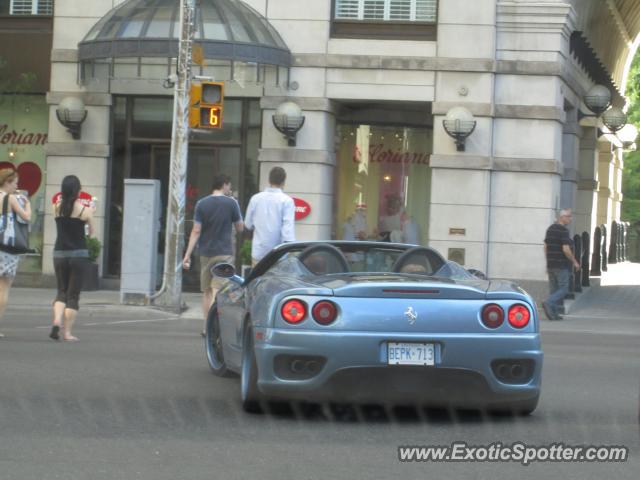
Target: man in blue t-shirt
560,260
212,229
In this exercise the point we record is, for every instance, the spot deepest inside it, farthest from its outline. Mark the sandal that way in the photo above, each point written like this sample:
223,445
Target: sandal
55,333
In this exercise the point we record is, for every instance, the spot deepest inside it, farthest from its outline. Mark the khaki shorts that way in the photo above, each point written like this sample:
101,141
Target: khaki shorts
208,281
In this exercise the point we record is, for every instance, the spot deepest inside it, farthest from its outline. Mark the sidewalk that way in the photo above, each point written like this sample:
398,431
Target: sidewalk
42,298
615,294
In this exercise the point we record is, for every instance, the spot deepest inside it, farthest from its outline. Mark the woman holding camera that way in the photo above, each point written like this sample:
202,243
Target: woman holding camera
22,208
70,255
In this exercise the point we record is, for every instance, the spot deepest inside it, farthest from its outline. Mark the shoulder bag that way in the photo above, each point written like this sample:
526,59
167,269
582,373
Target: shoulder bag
14,235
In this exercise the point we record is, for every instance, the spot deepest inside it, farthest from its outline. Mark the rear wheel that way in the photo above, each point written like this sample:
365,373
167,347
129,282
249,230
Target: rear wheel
213,344
249,393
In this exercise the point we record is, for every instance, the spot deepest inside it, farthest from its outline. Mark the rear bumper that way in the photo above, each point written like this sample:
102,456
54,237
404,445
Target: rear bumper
354,367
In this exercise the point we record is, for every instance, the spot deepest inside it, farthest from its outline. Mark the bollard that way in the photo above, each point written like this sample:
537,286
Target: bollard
628,248
584,261
603,247
596,260
613,243
577,274
620,239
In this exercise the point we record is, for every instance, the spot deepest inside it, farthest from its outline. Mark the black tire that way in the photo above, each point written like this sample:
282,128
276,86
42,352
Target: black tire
249,393
213,345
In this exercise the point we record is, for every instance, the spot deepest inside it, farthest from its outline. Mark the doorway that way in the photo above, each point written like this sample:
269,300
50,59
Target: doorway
142,150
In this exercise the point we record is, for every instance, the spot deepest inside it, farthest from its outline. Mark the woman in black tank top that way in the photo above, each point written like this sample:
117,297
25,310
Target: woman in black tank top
70,256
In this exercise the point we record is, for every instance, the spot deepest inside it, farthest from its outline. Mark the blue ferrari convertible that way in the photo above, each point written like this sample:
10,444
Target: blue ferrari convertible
374,322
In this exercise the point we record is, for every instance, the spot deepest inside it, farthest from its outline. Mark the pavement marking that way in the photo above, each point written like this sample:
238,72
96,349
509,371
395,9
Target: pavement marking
147,320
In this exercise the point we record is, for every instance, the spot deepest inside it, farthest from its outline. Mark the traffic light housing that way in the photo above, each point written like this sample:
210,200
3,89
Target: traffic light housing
206,105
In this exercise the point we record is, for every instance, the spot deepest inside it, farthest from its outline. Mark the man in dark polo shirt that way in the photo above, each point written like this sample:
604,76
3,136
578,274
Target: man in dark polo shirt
560,260
212,229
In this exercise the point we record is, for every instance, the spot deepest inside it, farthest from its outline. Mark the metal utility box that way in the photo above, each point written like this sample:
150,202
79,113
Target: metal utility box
141,224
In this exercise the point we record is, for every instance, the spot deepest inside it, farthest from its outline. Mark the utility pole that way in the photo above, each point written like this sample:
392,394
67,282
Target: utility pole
170,294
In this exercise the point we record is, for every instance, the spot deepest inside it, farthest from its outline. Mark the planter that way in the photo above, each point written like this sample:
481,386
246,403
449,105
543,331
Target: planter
90,277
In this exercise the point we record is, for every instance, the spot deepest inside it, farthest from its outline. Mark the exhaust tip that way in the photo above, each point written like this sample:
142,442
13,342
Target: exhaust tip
297,366
517,371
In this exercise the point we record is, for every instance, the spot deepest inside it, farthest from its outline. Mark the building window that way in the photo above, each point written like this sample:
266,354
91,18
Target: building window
383,183
387,19
394,10
31,7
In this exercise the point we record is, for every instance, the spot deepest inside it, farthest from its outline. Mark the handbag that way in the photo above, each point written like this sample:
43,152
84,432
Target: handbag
14,235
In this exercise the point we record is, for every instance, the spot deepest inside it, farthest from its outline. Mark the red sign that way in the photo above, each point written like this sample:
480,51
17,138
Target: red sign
303,209
29,175
84,197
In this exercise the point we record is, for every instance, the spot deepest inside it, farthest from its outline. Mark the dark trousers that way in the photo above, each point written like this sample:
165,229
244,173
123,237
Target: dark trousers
69,272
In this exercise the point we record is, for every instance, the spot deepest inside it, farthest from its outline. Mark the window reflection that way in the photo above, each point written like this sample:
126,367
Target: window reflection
384,183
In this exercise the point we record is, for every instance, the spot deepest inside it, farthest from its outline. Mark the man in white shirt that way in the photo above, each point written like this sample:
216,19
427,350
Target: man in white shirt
270,215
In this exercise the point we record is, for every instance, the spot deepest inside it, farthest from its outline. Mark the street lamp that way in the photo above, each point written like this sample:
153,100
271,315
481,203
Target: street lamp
71,112
288,119
614,119
459,124
598,99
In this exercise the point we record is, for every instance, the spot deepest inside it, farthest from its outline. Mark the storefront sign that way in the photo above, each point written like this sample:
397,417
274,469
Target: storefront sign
379,153
303,209
9,136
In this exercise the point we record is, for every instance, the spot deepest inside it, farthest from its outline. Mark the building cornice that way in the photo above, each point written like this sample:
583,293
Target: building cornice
77,149
499,164
622,27
296,155
89,99
310,104
536,17
519,112
64,55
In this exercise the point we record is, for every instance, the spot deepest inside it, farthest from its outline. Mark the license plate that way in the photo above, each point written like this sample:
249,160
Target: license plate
410,353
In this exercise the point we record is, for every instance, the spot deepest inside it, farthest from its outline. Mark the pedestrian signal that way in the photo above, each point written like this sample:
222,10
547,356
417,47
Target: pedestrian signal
206,105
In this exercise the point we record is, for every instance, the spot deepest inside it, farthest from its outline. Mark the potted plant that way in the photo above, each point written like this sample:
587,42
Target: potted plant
245,258
91,280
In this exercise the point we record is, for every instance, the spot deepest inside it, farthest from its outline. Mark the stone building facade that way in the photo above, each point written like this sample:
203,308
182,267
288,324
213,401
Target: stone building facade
375,81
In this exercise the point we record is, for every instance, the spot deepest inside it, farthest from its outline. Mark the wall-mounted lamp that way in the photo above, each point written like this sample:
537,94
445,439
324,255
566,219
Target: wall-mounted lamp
598,99
628,135
288,119
12,152
614,119
459,124
71,113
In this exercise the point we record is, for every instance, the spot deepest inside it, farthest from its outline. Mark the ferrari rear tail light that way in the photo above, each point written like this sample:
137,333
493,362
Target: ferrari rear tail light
324,312
294,311
519,316
492,315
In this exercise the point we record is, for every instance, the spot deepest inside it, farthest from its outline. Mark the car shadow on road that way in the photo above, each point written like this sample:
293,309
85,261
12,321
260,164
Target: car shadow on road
380,413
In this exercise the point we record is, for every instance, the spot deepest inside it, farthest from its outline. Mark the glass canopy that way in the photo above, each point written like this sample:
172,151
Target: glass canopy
141,33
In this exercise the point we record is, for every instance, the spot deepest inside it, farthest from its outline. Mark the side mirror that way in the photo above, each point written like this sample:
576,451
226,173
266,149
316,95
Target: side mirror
226,270
477,273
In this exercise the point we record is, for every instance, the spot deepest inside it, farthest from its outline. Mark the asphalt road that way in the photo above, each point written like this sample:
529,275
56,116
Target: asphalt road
134,399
